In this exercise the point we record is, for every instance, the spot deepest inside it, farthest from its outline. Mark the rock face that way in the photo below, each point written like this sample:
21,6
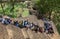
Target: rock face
13,32
10,32
3,32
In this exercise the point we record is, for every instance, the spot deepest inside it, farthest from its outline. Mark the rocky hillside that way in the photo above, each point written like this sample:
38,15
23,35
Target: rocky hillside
13,32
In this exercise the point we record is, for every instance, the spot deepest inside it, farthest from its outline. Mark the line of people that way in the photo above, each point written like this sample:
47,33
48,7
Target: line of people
5,21
28,25
25,24
48,27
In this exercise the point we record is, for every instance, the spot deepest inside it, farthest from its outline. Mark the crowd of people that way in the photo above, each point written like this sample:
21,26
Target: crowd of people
25,24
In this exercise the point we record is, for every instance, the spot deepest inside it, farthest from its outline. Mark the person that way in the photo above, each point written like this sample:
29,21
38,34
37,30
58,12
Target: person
16,23
41,29
6,22
3,19
31,26
20,24
46,26
25,22
36,27
9,20
50,30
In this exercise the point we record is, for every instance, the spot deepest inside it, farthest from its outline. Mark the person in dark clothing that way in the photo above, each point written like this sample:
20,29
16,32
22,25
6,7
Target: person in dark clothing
25,23
5,22
50,30
46,26
31,26
36,27
8,20
41,29
16,23
20,24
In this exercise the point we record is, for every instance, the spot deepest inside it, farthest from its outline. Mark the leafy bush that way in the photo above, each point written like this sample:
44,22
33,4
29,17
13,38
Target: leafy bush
7,9
58,27
56,20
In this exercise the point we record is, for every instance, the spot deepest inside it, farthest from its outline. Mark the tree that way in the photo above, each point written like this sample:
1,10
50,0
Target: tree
47,6
2,8
12,4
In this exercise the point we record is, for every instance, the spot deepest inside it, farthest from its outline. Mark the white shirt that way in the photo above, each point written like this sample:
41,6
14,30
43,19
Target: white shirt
3,20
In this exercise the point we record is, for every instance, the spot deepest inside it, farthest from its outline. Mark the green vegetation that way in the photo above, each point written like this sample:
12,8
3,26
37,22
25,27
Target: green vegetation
58,27
25,13
46,9
56,20
13,12
47,6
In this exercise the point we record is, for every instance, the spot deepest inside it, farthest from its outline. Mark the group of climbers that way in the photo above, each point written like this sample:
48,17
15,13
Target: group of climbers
28,25
47,26
5,21
25,24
